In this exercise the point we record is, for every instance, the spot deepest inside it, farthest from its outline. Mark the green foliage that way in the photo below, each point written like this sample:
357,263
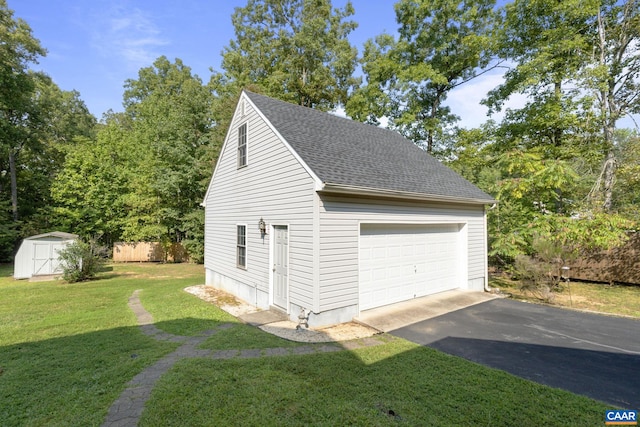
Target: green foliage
559,240
194,239
88,191
18,113
294,50
590,232
141,174
8,232
440,46
145,174
627,190
36,120
82,260
169,111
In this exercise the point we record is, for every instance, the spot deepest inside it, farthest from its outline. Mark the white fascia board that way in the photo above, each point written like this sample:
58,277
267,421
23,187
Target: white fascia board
380,192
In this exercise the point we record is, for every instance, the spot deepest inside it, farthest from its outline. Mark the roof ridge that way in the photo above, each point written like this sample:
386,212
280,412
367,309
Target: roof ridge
352,154
330,114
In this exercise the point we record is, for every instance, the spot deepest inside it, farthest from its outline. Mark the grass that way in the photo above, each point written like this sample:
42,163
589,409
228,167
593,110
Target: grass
68,350
622,300
420,385
242,336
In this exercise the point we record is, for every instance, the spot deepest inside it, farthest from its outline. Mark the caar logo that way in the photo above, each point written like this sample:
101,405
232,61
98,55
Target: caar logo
621,417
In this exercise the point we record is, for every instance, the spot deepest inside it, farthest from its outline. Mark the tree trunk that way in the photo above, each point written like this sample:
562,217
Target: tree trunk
14,185
610,113
609,179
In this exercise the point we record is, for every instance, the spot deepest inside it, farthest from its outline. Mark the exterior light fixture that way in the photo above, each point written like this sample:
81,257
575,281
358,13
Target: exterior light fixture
262,226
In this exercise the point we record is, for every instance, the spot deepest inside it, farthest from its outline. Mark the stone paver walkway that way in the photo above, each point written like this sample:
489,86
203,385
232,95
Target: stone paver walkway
127,409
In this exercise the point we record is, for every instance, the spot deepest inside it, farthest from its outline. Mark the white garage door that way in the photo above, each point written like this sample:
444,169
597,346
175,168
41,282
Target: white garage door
400,262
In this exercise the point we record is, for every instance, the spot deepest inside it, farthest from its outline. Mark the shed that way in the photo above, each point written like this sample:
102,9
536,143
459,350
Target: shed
310,211
38,255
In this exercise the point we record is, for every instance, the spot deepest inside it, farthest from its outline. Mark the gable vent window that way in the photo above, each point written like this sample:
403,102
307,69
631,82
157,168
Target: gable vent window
242,146
242,246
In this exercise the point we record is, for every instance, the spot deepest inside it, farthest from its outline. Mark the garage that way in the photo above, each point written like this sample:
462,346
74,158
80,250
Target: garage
398,262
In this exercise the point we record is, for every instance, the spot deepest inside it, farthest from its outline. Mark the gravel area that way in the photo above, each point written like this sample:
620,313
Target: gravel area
284,329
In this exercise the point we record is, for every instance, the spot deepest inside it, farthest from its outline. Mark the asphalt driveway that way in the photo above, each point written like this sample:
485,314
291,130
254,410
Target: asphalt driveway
589,354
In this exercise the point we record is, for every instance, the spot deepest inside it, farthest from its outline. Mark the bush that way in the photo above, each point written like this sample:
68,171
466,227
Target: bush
82,260
540,275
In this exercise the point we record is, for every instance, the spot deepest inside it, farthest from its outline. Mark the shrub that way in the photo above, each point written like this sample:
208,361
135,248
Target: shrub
540,275
82,260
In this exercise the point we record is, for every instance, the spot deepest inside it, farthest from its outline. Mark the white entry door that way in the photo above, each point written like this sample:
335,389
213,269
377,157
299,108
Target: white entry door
401,262
281,266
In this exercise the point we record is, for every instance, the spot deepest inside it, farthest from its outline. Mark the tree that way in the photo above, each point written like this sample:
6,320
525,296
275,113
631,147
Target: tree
169,112
442,44
627,189
614,77
144,175
89,190
294,50
18,49
546,42
577,62
58,118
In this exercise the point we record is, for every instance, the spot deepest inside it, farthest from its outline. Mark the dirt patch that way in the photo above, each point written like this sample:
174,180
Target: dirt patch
222,299
284,329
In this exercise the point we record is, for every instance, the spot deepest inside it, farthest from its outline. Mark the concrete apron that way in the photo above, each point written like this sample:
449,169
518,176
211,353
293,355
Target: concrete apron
394,316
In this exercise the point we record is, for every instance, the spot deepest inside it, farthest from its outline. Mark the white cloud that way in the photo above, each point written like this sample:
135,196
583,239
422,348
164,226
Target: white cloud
465,100
126,34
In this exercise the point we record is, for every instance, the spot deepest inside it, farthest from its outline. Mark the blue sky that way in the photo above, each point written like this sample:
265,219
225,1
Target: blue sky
94,46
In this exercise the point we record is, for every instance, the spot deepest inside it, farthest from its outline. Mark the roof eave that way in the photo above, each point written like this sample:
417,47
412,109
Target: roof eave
381,192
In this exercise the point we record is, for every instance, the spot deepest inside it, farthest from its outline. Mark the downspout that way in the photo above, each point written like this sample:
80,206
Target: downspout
487,288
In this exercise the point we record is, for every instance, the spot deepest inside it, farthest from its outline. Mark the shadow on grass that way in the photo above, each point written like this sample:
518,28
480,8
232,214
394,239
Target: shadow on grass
73,380
398,383
607,376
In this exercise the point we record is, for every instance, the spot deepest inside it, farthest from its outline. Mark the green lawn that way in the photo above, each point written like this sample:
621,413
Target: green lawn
67,351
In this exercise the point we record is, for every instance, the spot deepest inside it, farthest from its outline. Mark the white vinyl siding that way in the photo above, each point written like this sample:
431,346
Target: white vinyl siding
340,219
273,186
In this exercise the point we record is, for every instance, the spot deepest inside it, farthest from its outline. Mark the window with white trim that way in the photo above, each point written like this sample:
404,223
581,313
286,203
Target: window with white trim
242,146
241,245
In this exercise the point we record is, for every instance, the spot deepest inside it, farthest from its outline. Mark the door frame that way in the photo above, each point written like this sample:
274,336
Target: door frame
272,245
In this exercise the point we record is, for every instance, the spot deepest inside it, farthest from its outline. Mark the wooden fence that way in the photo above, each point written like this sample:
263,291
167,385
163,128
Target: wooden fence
620,265
148,252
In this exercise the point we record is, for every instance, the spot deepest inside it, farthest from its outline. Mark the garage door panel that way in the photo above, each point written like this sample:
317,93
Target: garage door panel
400,262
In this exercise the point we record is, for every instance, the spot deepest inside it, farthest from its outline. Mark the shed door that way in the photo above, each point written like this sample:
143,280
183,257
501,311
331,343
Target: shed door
281,266
399,262
46,258
41,258
55,257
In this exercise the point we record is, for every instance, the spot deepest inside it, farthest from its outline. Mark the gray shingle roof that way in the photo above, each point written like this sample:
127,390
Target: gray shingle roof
344,152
